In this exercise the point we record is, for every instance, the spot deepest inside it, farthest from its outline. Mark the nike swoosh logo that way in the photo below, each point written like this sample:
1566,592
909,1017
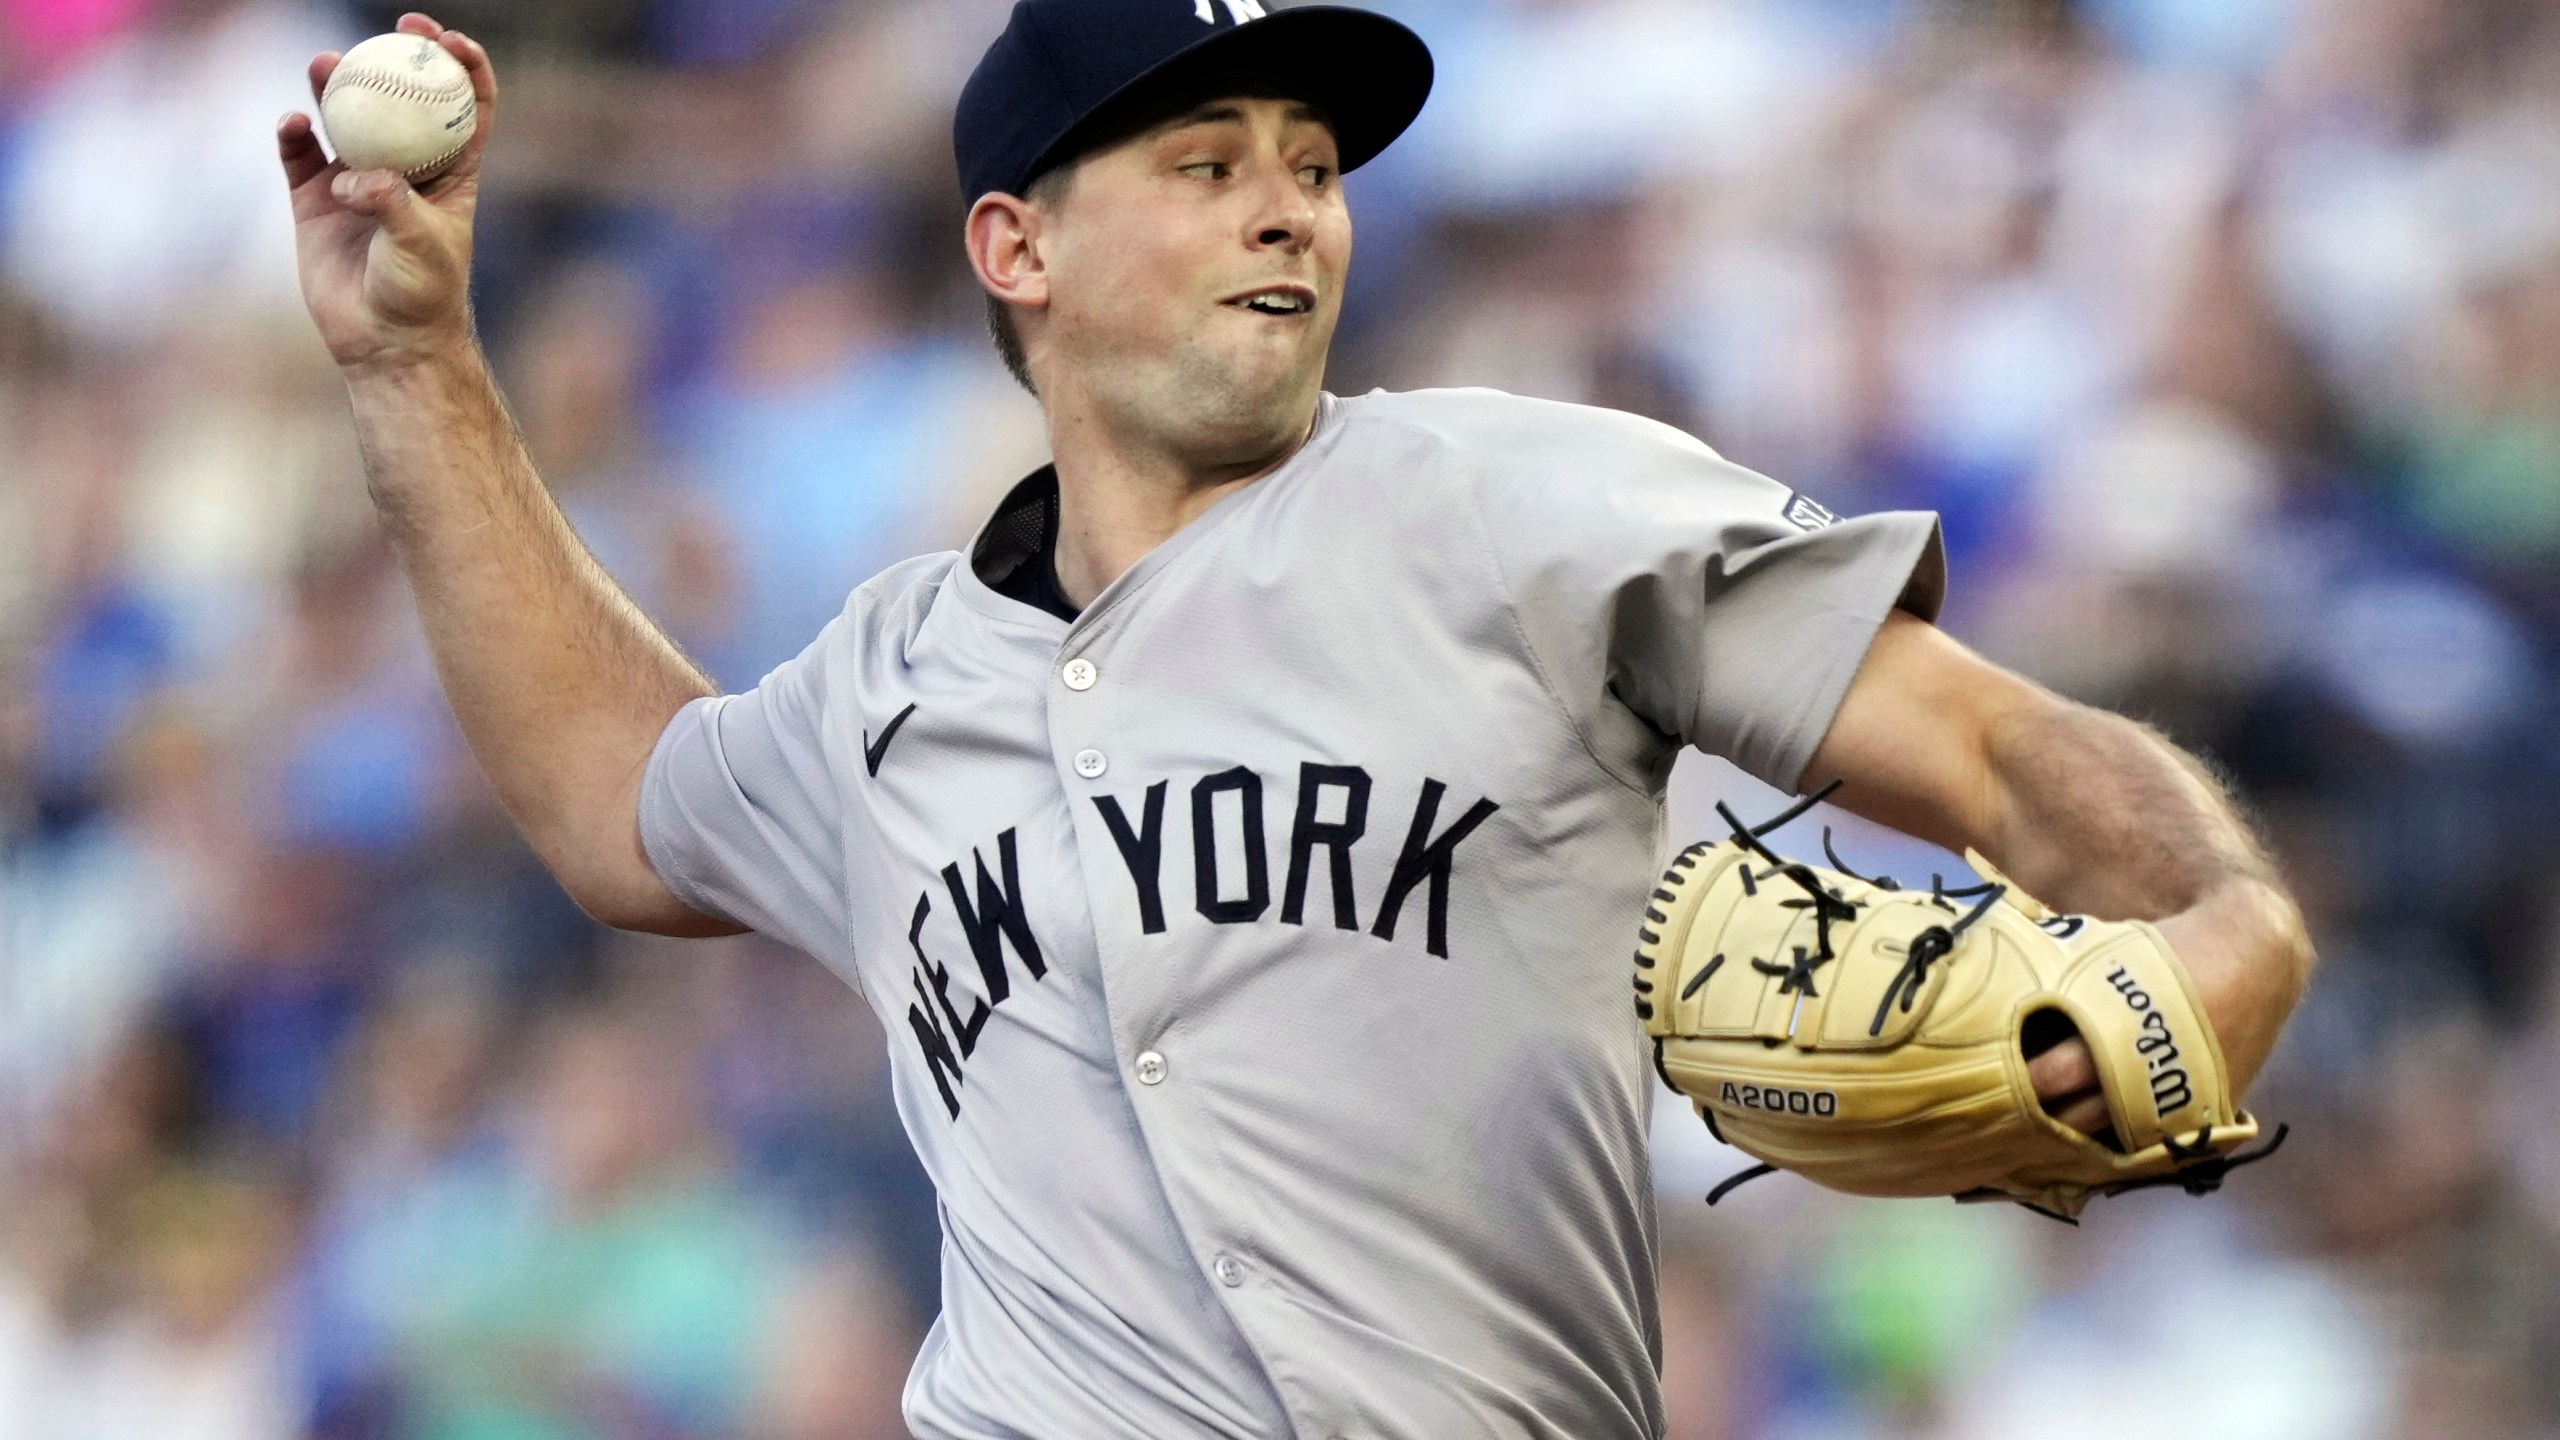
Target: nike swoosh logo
872,750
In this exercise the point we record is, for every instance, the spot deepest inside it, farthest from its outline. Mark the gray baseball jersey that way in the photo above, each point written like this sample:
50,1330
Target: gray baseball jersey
1254,950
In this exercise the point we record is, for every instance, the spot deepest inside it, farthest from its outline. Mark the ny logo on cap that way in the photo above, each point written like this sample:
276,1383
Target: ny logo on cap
1237,10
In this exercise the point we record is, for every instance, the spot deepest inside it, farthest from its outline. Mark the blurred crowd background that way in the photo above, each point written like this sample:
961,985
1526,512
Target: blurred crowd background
2224,333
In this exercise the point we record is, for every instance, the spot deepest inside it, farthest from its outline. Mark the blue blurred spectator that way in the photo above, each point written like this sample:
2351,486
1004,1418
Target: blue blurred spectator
92,681
268,1015
830,435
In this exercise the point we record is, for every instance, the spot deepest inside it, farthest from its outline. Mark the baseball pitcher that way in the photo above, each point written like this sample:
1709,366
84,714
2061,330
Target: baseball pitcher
1245,840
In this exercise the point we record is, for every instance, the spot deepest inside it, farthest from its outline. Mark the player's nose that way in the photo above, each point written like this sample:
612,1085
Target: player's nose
1284,216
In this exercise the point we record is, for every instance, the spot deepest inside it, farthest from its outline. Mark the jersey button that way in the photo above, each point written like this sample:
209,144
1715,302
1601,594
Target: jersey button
1151,1069
1090,764
1081,674
1230,1271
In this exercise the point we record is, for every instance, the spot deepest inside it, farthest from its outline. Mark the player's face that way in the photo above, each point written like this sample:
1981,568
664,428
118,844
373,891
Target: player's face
1196,277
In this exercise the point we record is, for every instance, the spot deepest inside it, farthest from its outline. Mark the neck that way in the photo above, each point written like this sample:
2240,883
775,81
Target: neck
1120,496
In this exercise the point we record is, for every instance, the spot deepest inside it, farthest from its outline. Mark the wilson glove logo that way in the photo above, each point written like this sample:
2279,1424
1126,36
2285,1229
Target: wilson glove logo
2170,1088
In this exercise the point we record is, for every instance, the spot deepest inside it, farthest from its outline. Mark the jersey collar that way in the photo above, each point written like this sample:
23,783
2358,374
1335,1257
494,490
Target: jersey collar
1023,522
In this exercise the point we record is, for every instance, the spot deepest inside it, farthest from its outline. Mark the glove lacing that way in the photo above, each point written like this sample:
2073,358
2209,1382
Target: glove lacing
2201,1170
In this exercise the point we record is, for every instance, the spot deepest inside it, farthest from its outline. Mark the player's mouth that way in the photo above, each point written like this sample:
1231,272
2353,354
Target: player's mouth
1277,300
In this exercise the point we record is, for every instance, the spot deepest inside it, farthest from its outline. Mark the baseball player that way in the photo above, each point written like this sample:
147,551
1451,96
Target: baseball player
1241,841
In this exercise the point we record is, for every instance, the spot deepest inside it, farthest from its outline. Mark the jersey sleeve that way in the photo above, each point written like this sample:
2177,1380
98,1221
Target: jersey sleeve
739,809
1721,607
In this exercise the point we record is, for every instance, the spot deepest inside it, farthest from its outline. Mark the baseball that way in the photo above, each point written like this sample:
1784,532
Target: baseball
399,102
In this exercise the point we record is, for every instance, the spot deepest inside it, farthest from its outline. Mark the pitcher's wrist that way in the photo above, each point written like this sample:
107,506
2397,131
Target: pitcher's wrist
443,353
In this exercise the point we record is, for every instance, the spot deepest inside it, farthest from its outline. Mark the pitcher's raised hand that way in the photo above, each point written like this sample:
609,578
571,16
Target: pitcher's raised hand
386,266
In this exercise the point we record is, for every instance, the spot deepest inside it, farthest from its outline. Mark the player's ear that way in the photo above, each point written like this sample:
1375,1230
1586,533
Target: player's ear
1003,239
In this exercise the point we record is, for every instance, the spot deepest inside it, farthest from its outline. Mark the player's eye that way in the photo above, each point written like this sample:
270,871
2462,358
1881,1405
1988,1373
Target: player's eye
1317,176
1206,170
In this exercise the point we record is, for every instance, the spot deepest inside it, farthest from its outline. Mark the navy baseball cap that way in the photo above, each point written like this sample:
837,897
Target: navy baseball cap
1061,66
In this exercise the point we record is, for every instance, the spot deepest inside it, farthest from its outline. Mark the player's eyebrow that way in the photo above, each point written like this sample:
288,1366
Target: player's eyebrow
1228,112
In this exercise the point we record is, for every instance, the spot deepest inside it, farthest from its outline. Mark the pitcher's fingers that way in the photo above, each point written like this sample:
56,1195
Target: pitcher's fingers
323,65
2064,1071
299,148
465,170
484,76
391,202
416,23
2088,1114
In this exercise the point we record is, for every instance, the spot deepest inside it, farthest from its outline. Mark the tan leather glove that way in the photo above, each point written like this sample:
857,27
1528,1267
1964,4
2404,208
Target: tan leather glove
1868,1038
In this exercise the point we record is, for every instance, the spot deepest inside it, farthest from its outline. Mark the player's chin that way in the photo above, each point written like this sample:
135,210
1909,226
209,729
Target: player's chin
1273,350
1249,418
1273,396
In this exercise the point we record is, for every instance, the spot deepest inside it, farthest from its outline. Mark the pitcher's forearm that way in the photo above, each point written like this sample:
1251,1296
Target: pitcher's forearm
2102,815
560,684
2109,818
2087,811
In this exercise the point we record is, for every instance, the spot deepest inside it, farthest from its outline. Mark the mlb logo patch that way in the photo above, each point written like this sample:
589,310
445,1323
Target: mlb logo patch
1806,513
